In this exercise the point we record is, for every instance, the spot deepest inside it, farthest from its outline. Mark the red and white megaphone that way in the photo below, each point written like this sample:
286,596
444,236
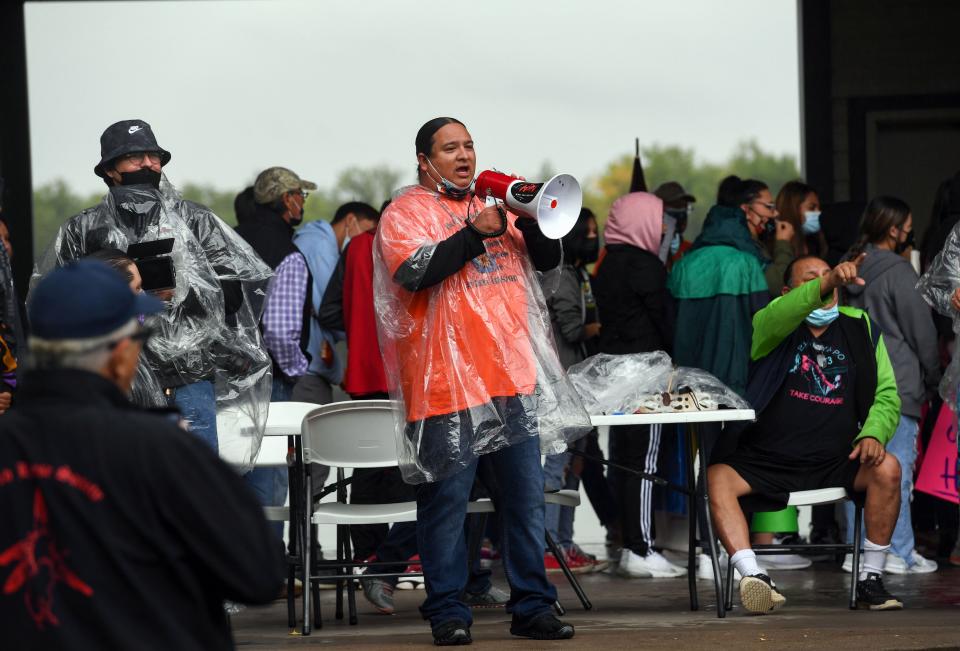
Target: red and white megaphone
555,204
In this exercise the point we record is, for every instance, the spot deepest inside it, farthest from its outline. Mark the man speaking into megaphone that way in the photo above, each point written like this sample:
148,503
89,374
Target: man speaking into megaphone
467,350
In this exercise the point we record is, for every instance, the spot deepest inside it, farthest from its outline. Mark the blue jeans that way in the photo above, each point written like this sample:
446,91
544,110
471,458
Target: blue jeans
559,519
198,404
903,446
441,510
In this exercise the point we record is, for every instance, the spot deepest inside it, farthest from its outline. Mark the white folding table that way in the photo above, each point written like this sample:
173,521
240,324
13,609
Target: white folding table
694,446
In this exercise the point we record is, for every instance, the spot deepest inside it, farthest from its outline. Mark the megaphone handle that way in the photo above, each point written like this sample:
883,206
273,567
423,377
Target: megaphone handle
491,201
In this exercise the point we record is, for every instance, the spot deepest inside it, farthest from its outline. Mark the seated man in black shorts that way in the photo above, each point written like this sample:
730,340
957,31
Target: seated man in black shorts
827,404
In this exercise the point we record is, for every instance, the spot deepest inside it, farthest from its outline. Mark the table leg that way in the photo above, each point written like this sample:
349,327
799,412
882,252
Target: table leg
692,511
293,520
307,546
704,495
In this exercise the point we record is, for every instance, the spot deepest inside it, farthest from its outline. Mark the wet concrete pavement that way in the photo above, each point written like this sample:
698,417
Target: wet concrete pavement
654,614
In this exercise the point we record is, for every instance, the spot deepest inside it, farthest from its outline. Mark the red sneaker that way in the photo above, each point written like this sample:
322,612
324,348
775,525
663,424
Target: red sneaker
406,582
578,557
488,555
550,563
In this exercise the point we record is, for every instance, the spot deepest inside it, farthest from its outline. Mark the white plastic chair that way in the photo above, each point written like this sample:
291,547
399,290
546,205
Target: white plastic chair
354,434
284,420
813,497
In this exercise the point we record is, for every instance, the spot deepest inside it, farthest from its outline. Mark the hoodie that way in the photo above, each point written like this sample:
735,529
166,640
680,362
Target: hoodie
891,299
718,286
318,244
631,283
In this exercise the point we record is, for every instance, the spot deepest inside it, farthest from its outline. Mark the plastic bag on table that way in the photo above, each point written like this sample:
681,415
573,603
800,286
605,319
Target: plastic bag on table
648,383
937,286
706,389
471,358
209,330
612,384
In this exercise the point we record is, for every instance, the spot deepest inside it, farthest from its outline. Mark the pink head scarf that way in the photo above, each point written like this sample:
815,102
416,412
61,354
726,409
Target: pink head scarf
636,219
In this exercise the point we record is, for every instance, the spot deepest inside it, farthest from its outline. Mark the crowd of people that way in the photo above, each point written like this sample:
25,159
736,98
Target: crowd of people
156,337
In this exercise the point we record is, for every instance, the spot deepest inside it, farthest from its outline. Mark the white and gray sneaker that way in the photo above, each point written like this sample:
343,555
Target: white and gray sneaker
654,565
379,593
917,564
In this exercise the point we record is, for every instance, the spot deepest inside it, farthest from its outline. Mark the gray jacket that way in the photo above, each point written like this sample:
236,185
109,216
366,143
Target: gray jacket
891,299
567,314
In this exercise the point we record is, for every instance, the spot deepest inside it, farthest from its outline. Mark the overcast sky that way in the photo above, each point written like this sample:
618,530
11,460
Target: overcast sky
232,86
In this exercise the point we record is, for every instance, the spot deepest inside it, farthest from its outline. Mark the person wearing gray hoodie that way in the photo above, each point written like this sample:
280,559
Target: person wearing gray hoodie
891,299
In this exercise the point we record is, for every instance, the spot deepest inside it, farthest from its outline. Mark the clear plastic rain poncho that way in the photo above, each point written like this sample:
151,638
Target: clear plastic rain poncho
472,358
936,286
638,382
209,330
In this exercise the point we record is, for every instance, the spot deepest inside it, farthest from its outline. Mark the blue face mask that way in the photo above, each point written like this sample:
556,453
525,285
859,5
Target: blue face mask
675,244
823,316
811,225
449,187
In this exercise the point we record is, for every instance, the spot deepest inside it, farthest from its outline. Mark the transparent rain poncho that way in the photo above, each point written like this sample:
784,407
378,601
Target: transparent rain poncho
640,382
472,358
936,286
209,330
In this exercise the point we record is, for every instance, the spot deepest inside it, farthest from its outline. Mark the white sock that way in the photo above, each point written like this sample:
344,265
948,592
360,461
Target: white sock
874,557
745,561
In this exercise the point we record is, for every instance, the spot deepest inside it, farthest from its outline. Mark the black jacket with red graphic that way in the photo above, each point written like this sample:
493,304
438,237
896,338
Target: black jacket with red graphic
120,530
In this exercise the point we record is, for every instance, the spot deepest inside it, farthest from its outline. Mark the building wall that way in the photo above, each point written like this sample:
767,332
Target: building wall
889,70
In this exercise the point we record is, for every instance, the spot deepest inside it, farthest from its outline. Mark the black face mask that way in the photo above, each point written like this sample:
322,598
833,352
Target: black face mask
904,245
143,176
589,250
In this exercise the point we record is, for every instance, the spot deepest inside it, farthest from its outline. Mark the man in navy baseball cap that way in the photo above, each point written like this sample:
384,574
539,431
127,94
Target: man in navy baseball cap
111,504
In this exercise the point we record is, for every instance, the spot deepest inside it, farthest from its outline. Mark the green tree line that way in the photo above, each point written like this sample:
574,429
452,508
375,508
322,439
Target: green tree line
662,163
55,202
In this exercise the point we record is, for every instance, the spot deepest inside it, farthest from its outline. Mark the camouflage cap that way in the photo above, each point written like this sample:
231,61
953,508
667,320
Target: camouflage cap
274,182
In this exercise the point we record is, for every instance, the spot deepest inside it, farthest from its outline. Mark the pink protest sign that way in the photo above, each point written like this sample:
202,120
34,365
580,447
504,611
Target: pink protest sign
938,474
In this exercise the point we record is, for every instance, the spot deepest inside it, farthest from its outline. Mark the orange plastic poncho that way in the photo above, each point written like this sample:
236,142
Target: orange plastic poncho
472,358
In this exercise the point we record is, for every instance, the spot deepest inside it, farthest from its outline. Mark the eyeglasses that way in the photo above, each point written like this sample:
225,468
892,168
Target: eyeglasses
772,207
139,156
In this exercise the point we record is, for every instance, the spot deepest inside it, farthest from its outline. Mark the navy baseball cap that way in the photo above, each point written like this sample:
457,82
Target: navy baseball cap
84,300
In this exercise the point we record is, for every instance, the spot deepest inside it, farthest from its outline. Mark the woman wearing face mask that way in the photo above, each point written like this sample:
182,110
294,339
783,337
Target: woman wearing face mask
146,391
892,300
632,297
798,204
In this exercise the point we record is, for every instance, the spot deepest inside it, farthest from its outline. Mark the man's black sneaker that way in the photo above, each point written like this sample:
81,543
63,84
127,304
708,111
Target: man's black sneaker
456,632
758,594
871,594
543,627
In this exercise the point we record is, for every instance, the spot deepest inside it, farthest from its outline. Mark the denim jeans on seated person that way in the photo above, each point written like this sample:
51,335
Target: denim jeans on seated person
903,446
518,495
